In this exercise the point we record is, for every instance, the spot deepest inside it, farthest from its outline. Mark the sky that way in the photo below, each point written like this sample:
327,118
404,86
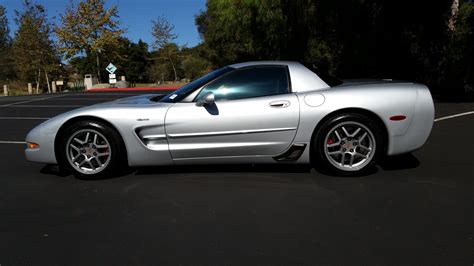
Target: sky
135,16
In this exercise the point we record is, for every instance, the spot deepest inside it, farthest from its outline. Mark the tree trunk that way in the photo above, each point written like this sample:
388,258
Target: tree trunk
174,69
47,81
469,79
98,68
38,81
454,15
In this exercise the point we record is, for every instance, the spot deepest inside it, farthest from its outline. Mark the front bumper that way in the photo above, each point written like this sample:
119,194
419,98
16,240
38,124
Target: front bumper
45,152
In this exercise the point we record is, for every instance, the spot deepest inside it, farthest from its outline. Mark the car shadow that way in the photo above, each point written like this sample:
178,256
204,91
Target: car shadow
223,168
52,169
392,163
399,162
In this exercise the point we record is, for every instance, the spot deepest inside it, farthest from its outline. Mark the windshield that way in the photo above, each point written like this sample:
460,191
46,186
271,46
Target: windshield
187,89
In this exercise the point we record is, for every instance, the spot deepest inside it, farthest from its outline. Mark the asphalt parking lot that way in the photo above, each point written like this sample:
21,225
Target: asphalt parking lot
415,209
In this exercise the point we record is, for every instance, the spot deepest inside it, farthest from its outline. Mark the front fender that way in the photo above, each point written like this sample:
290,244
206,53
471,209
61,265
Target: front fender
123,118
45,152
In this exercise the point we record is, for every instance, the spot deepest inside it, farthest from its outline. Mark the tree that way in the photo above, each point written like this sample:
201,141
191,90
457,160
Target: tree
33,49
6,63
194,63
454,15
130,58
89,28
162,31
137,54
242,30
355,38
5,39
194,67
458,56
162,59
159,72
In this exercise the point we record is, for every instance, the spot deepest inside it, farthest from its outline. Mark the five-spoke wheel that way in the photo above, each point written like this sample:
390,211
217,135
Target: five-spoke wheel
350,146
347,144
90,149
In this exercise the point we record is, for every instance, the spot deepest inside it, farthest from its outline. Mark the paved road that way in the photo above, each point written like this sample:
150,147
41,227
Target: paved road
416,209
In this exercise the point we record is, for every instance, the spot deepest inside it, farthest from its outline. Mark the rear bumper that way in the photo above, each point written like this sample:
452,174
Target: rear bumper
420,127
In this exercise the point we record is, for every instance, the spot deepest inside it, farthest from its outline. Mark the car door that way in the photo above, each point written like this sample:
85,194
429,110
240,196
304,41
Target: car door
254,113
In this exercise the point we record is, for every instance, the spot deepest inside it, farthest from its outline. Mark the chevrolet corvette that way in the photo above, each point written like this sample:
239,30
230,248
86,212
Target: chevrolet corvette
247,113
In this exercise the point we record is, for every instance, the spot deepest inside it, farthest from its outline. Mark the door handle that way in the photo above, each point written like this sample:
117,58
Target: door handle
280,104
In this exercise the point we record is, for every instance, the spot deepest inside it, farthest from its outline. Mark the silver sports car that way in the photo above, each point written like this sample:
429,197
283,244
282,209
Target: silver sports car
254,112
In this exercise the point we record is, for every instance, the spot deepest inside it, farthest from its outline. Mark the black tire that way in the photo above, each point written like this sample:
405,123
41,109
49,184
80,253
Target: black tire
116,161
326,163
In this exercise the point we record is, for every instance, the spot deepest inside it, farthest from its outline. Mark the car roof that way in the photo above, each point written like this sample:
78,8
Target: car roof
257,63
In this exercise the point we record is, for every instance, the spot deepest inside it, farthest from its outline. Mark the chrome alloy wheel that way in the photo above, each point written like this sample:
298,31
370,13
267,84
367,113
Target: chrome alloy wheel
349,146
88,151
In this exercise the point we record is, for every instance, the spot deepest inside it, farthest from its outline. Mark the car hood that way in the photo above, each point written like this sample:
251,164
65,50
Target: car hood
135,107
136,100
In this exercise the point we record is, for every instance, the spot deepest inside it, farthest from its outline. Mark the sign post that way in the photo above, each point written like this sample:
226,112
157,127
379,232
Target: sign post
53,86
111,68
112,78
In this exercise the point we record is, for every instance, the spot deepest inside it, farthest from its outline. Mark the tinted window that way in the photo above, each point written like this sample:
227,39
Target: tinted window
194,85
249,82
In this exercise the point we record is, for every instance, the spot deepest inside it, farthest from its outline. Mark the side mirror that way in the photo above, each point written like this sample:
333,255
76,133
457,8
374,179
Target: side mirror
208,98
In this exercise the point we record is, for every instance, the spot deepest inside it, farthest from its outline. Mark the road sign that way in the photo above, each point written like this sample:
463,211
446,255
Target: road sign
112,79
111,68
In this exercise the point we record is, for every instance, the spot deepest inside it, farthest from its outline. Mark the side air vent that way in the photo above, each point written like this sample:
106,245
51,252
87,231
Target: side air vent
153,137
292,154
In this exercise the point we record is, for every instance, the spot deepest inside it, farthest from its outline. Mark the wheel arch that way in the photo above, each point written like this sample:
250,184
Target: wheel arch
76,119
353,110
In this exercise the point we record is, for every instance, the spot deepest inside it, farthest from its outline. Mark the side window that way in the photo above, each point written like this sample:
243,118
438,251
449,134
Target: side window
249,82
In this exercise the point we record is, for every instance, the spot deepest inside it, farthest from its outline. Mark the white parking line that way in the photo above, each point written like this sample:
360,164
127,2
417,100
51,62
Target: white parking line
12,142
43,106
34,100
115,94
453,116
22,118
85,99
